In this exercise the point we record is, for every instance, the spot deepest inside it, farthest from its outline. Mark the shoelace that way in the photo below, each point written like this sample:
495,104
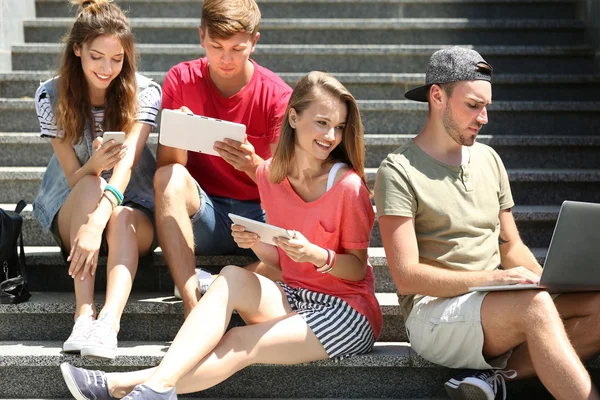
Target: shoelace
496,379
136,390
94,381
82,324
100,331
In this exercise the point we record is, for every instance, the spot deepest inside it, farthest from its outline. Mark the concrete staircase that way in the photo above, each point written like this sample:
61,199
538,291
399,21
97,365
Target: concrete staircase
544,122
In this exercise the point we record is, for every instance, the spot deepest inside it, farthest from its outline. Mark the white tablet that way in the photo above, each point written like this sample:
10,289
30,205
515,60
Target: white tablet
265,231
196,133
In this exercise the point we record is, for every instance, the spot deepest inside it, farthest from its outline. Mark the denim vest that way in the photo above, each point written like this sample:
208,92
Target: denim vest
55,188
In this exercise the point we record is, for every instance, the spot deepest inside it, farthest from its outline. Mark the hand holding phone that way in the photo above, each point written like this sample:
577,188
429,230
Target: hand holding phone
107,155
118,137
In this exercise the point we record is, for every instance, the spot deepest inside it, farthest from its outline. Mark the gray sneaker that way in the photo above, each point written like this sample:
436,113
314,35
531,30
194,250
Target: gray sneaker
80,333
85,384
205,279
143,392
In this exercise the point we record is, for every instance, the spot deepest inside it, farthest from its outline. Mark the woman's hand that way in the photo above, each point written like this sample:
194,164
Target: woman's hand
105,155
299,249
84,253
244,240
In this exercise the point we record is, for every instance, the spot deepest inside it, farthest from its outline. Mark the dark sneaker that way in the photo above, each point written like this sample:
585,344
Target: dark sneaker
472,384
85,384
143,392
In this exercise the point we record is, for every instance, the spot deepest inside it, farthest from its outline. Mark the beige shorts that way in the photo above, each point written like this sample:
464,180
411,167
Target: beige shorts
448,332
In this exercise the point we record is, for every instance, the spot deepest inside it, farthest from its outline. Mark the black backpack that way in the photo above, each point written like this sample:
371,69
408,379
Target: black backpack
13,279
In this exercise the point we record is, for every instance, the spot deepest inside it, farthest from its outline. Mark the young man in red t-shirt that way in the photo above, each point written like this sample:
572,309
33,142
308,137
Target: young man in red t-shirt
194,192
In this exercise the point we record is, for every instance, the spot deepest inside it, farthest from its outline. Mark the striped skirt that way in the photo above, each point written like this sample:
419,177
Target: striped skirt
341,329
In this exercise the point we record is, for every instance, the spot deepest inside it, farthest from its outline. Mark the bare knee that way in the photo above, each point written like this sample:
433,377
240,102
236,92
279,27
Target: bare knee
121,220
169,180
89,186
539,309
238,341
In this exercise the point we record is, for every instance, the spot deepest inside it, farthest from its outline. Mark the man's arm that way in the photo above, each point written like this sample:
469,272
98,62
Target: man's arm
412,277
513,251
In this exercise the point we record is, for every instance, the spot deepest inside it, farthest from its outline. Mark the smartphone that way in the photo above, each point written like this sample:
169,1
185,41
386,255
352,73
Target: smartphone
118,137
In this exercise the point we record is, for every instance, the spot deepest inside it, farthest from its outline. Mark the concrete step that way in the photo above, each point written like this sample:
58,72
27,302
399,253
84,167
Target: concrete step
347,31
536,224
499,9
47,270
551,152
529,186
382,86
386,116
571,59
147,317
391,370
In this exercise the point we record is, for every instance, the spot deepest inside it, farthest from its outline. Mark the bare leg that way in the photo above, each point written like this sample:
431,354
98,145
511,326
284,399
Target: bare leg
265,270
581,315
511,319
129,234
81,202
283,340
256,298
177,199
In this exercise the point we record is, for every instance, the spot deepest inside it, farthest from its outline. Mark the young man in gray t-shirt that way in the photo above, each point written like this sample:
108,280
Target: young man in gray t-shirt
444,207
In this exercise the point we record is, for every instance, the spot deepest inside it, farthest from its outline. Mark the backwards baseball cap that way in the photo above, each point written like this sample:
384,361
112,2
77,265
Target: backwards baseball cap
452,64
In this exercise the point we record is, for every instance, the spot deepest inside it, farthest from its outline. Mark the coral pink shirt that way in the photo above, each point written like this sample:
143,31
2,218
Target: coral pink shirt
340,220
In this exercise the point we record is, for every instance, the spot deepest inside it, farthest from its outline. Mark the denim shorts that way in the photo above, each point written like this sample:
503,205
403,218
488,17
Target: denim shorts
212,225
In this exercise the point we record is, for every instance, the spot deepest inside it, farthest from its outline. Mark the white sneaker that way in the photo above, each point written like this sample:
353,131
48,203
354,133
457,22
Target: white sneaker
80,333
102,341
205,279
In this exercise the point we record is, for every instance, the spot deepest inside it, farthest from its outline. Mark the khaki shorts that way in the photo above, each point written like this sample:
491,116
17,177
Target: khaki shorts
448,332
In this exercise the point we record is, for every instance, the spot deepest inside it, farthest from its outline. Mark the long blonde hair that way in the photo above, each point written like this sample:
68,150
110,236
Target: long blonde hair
96,18
351,150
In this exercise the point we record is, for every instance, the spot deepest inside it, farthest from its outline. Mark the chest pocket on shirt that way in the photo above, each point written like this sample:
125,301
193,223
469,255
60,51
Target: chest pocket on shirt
326,239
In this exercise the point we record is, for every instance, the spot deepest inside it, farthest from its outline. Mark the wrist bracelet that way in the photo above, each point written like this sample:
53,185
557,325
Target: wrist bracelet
328,262
328,270
116,192
111,201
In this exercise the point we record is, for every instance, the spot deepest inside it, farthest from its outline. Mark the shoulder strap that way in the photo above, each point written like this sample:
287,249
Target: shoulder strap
20,206
332,173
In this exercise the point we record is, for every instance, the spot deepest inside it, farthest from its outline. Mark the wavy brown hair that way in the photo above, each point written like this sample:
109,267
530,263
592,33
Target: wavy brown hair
96,18
350,151
226,18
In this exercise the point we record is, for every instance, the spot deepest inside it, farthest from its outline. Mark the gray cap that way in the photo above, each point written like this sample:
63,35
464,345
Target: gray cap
452,65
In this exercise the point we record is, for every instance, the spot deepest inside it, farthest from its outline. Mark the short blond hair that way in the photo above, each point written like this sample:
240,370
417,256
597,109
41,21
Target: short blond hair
225,18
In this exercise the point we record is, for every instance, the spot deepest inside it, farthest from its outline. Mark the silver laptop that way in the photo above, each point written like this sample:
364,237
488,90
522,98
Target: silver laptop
573,259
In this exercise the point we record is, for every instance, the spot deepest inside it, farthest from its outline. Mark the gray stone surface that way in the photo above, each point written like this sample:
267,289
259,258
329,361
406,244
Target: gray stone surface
341,58
345,9
391,370
391,116
338,31
386,86
12,14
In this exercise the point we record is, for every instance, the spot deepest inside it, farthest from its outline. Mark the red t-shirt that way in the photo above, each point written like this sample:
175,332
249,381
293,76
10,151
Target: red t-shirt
260,106
340,220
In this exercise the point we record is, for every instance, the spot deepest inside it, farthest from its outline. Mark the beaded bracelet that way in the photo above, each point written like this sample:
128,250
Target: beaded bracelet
116,192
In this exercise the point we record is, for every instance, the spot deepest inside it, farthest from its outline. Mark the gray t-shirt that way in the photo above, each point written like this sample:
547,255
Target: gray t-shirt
455,208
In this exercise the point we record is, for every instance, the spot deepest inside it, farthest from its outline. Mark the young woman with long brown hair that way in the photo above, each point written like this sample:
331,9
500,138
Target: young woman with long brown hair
324,308
96,198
